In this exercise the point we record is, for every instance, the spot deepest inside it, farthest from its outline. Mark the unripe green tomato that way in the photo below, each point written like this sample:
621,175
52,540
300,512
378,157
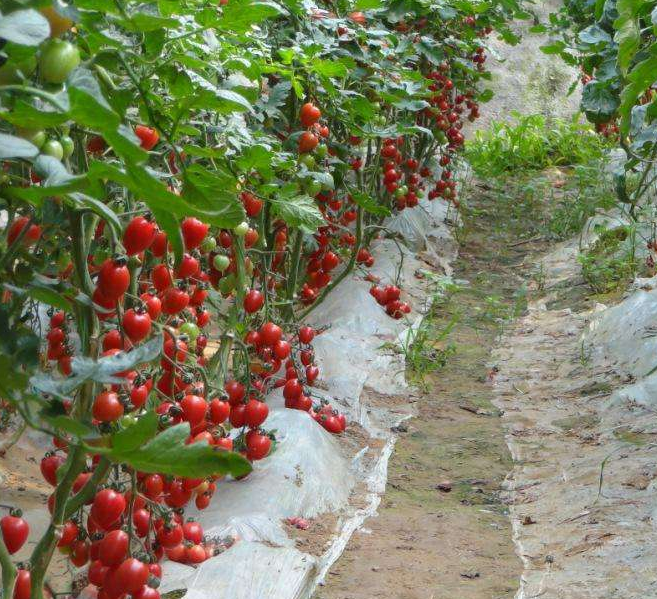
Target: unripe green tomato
313,187
57,59
321,151
441,137
35,136
191,330
400,192
308,160
53,148
241,229
376,106
209,243
128,420
227,284
380,120
67,144
248,267
221,262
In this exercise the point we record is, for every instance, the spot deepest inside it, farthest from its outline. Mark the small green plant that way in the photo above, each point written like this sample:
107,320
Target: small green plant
532,142
611,263
427,349
584,194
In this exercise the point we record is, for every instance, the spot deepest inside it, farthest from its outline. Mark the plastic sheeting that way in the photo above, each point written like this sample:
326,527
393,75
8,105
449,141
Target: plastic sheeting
583,489
313,472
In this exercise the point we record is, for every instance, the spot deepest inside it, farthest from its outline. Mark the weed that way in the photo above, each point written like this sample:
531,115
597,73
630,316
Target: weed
532,143
583,194
611,263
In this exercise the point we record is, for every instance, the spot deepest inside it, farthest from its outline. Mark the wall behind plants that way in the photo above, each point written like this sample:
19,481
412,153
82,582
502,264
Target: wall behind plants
184,184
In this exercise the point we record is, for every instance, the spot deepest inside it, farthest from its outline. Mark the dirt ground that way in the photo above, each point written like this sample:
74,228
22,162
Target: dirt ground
443,530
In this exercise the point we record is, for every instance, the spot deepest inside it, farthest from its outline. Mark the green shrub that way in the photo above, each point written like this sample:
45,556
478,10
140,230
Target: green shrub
532,143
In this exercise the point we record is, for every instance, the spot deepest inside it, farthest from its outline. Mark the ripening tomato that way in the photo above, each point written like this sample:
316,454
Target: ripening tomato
257,446
170,535
49,466
253,301
15,531
131,575
309,114
31,235
113,278
306,334
113,548
23,585
107,507
107,407
307,142
138,235
255,413
136,324
175,300
194,408
194,232
219,411
148,137
252,204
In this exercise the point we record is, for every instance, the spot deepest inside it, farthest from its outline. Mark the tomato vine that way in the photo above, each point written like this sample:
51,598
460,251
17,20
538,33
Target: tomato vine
183,183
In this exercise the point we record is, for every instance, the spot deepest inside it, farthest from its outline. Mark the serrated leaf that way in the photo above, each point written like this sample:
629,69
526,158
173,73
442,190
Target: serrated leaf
298,211
134,436
369,204
213,193
169,453
103,370
240,15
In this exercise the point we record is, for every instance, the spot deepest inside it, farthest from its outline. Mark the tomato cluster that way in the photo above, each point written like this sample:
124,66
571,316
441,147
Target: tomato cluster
183,212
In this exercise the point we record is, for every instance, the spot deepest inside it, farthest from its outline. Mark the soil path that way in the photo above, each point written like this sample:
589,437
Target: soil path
443,530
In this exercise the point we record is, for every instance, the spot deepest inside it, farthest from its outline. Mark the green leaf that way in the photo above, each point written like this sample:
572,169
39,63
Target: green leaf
368,4
369,204
134,436
42,293
214,195
555,47
298,211
594,34
25,115
55,414
430,50
628,35
24,27
599,102
168,453
16,147
257,158
100,208
640,78
240,15
103,370
221,100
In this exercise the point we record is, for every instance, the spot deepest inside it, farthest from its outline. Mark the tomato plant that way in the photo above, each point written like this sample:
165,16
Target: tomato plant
188,171
614,43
